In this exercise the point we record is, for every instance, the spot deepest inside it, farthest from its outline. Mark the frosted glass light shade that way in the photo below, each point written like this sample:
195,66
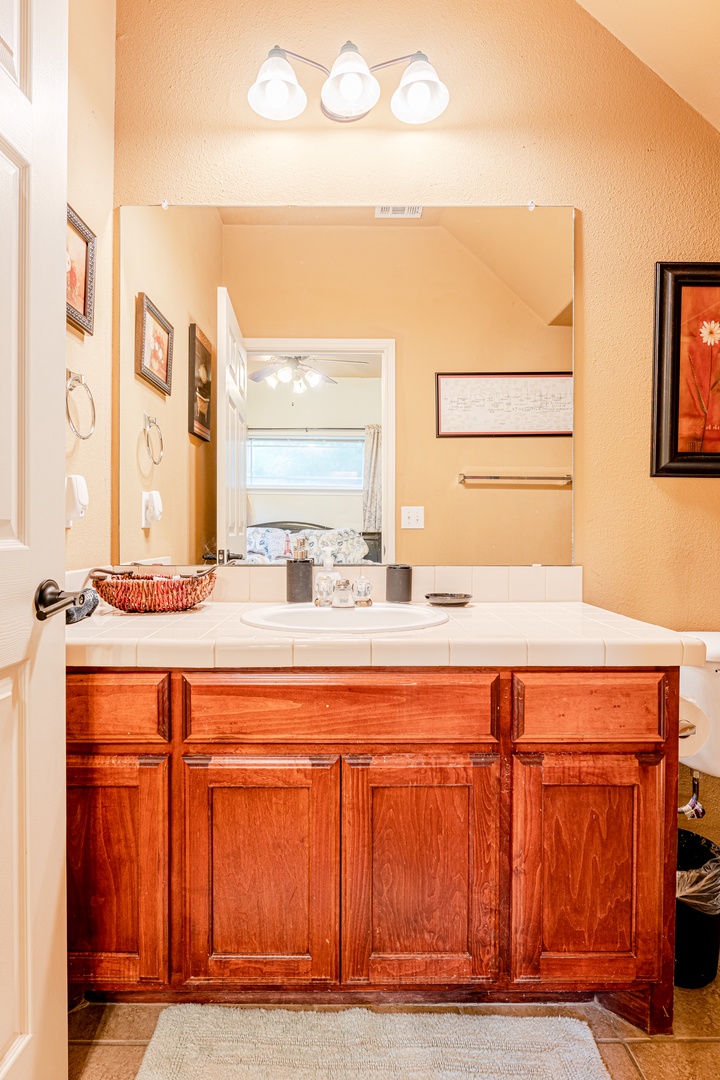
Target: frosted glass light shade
350,90
276,93
299,385
272,381
421,96
313,378
285,374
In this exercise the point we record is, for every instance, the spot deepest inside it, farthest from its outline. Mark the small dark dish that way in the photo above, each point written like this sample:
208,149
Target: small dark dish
448,599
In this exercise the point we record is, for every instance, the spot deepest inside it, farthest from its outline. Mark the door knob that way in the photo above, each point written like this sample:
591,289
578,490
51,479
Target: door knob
50,599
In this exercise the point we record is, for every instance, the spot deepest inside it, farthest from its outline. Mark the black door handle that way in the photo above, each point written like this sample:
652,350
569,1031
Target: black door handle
50,599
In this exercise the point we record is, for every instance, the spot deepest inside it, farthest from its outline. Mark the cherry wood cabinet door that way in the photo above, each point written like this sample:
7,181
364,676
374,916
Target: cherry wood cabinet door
420,869
588,868
117,867
262,879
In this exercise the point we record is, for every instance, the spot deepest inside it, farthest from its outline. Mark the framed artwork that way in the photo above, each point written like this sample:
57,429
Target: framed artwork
686,383
501,403
199,384
80,244
153,344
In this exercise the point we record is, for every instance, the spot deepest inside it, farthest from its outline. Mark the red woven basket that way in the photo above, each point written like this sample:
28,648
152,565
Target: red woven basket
136,592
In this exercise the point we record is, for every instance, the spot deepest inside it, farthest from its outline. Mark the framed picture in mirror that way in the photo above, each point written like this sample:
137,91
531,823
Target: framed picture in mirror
199,383
154,337
80,243
686,384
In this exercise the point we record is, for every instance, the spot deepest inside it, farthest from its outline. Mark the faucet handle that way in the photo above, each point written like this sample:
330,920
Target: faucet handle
361,588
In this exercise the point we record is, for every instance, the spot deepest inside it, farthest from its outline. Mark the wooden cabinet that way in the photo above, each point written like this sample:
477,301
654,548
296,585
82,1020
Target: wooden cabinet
420,869
262,869
117,859
587,868
445,834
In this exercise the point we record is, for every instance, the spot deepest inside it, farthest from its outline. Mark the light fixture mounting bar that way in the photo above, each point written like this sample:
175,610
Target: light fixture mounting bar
398,60
305,60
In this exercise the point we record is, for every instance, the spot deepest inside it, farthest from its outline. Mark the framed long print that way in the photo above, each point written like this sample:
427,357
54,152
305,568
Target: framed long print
199,383
686,383
502,403
80,244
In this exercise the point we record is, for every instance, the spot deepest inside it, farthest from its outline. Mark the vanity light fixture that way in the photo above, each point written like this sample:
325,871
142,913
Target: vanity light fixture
350,90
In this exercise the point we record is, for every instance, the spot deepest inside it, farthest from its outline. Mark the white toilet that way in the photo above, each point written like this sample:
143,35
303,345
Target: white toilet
700,709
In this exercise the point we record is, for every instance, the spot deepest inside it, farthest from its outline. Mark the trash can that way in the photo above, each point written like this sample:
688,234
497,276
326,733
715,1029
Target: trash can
697,908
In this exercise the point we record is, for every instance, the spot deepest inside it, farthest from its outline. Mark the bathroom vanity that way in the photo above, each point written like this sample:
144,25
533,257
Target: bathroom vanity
360,832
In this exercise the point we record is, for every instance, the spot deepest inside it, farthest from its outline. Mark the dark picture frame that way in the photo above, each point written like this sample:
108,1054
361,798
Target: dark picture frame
154,338
455,421
199,383
686,375
80,256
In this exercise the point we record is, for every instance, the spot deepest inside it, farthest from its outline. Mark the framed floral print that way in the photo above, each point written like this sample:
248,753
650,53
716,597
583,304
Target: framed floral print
153,344
199,383
686,385
80,244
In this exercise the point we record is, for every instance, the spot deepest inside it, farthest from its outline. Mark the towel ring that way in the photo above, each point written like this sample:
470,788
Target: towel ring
73,380
148,423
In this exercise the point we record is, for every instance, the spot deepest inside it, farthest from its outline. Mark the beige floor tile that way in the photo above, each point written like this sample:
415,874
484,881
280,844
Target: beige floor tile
116,1022
670,1060
618,1061
100,1062
697,1012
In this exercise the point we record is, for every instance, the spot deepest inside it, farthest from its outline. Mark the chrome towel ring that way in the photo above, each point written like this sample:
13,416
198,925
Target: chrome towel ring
73,380
148,423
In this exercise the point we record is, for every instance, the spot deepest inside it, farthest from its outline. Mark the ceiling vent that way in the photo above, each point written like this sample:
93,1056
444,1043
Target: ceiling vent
398,211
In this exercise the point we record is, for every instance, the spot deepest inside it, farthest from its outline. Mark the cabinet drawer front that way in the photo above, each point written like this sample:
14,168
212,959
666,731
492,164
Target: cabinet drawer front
615,707
124,707
357,707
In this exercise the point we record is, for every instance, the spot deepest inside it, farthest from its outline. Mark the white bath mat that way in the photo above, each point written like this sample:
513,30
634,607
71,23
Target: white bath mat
211,1042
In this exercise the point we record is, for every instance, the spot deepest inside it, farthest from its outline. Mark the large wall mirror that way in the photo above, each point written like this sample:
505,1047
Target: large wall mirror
303,399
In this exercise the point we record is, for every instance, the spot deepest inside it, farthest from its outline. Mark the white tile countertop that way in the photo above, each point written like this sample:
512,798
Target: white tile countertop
212,635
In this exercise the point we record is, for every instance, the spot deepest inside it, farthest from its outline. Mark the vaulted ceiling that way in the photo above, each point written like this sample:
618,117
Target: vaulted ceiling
677,39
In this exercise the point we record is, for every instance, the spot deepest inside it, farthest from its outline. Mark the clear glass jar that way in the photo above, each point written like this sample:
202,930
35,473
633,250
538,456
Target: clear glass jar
342,594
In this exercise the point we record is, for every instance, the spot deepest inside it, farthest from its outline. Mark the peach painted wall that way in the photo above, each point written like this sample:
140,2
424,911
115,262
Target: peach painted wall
446,312
174,256
90,193
545,105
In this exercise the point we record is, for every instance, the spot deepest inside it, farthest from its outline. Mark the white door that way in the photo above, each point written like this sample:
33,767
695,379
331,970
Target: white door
231,433
33,137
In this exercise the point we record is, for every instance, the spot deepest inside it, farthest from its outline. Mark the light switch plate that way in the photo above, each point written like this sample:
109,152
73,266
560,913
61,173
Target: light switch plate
413,517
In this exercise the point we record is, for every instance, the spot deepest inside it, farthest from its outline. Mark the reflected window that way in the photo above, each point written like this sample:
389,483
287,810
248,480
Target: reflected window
309,461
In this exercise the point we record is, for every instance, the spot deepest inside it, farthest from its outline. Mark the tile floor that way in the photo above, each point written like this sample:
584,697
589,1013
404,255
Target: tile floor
107,1042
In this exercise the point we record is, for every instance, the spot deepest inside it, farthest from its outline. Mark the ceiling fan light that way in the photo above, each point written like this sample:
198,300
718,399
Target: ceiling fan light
313,378
421,96
350,90
276,93
272,380
299,385
285,374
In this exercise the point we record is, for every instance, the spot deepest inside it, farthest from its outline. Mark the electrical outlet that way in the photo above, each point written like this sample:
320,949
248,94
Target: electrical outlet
413,517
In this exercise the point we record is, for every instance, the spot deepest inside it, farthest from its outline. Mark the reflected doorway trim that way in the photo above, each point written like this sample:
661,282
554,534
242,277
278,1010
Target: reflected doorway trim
386,348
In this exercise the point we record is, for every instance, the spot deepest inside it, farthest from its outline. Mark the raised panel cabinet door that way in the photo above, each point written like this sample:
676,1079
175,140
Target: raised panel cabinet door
420,869
117,865
588,868
262,854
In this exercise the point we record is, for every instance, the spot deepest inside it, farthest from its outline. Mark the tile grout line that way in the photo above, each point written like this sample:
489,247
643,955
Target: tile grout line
634,1060
108,1042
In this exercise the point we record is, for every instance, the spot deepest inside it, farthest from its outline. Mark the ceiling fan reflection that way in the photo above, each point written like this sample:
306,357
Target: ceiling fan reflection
297,370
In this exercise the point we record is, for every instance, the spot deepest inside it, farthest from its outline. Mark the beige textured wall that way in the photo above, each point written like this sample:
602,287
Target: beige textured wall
446,312
90,193
545,105
174,257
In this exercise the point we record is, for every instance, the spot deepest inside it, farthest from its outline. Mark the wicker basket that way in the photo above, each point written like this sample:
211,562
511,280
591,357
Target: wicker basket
135,592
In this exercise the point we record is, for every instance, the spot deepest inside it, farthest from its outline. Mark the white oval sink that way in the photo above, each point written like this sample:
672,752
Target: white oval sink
378,619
